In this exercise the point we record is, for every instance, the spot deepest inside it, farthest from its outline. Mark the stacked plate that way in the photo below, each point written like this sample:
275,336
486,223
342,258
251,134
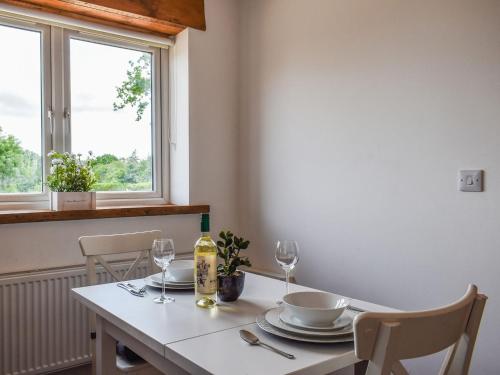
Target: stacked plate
180,275
277,322
154,281
310,316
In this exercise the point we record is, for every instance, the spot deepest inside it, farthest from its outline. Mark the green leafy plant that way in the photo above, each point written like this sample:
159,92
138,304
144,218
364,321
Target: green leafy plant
71,173
228,248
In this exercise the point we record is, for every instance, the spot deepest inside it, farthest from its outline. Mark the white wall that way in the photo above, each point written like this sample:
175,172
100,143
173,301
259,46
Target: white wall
213,111
213,116
355,117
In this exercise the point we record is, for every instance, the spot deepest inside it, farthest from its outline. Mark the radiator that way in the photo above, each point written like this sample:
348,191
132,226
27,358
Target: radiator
42,328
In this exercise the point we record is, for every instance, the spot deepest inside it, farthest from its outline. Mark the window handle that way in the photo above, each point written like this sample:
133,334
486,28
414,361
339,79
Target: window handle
67,117
50,115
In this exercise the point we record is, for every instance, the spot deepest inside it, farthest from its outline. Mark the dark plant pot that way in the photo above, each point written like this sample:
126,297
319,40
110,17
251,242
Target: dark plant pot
229,288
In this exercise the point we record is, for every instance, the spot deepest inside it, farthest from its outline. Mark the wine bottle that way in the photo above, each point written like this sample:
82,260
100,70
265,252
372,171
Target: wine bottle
205,266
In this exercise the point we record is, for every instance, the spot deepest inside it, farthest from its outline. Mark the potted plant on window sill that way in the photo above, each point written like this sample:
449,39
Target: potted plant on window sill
230,280
71,180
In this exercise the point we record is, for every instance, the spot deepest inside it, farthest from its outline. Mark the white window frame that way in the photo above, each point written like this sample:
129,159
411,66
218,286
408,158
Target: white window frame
35,200
56,112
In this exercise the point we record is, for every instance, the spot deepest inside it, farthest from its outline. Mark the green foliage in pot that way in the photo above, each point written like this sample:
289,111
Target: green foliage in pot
228,249
70,173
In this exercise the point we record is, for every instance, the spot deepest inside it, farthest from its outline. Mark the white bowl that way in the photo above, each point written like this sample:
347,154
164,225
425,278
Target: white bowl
315,308
181,270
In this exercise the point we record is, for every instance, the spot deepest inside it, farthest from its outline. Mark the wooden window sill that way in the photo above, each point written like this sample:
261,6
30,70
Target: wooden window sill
33,216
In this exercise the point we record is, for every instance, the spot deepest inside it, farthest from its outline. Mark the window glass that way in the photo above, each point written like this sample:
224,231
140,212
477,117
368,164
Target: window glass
111,113
20,111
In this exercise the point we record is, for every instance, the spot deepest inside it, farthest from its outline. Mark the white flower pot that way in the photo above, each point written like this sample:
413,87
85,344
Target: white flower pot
67,201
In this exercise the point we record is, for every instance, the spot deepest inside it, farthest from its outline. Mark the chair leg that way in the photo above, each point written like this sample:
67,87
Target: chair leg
92,354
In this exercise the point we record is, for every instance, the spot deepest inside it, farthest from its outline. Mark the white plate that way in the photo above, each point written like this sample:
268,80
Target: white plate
342,322
273,317
170,280
167,283
149,282
261,322
171,283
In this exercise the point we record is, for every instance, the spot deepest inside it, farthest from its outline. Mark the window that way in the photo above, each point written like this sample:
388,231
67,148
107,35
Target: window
73,91
21,123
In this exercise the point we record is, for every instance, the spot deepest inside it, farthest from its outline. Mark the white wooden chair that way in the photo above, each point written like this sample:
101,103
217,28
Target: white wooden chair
383,339
94,248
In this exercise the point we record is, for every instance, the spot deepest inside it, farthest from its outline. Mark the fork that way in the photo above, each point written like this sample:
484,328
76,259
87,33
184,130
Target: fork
130,290
138,290
143,289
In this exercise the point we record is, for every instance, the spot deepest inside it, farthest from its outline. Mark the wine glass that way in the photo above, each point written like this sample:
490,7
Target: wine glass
163,253
287,256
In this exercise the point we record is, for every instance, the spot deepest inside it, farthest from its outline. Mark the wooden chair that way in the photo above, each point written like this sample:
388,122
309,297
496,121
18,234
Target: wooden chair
94,248
383,339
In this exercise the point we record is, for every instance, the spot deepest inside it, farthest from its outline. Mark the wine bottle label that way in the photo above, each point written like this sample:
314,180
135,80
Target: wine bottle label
206,274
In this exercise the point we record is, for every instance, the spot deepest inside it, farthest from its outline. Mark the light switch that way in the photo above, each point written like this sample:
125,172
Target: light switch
470,180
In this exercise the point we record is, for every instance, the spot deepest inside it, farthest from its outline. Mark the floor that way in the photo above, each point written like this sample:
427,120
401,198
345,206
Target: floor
80,370
87,370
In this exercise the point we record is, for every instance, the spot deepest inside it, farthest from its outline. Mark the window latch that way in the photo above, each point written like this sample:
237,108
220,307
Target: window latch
67,117
51,115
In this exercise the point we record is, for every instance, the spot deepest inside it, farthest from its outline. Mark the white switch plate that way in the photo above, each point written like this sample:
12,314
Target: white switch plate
470,180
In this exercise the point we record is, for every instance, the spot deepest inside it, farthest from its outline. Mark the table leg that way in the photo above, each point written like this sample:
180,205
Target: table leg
105,350
360,368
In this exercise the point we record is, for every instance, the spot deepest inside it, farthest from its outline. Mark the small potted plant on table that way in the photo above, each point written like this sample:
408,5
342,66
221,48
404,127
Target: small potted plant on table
231,280
71,180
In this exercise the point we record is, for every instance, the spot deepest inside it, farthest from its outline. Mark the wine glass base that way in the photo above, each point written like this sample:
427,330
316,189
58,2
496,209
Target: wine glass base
163,299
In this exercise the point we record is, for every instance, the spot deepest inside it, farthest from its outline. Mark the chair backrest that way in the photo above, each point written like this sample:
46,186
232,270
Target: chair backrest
386,338
95,247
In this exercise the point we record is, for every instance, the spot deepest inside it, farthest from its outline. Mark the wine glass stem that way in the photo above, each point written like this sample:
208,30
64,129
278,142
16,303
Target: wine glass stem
287,277
164,269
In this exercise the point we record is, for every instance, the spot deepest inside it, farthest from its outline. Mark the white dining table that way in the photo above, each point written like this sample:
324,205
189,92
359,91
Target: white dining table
181,338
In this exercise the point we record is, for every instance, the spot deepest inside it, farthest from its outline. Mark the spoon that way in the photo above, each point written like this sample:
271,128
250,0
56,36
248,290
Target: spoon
254,340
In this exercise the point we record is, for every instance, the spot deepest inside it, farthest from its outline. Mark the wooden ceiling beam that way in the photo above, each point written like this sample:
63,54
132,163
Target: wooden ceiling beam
160,17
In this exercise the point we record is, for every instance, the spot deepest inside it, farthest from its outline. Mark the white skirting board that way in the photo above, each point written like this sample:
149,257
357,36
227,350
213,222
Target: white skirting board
42,328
